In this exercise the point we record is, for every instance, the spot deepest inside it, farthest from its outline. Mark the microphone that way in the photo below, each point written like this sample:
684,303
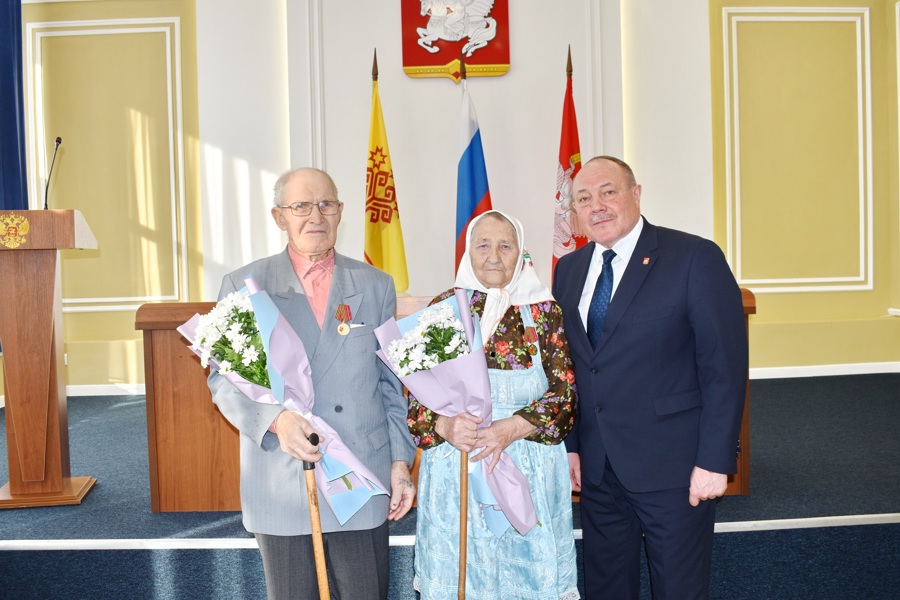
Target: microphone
52,162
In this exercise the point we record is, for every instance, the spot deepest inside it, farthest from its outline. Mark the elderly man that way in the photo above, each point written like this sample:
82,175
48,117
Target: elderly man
656,329
334,304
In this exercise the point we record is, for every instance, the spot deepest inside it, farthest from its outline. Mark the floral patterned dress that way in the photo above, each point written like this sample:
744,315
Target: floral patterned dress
532,376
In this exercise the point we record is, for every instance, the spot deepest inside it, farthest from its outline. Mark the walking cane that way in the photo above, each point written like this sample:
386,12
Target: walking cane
318,547
463,521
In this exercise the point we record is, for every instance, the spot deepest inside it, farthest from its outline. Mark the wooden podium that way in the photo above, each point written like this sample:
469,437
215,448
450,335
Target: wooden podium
37,426
194,452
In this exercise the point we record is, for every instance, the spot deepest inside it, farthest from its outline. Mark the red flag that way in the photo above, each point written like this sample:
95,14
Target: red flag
567,232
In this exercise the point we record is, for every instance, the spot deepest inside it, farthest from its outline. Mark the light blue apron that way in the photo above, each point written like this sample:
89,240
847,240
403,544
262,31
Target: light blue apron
536,566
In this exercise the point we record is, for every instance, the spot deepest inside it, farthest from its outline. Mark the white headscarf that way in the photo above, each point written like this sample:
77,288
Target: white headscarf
524,288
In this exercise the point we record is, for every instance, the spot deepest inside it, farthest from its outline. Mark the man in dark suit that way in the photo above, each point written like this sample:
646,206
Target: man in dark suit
660,351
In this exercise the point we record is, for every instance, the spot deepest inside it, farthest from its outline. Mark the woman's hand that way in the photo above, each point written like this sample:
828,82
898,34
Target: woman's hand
461,430
495,438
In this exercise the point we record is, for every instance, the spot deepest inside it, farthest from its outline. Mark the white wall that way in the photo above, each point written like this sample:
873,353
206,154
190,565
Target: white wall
244,139
286,83
667,110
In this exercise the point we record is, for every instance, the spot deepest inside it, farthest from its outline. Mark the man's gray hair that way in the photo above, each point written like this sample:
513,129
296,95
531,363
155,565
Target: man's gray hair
282,182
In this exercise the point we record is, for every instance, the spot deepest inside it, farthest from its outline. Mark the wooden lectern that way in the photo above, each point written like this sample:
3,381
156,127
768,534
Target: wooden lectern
195,453
37,427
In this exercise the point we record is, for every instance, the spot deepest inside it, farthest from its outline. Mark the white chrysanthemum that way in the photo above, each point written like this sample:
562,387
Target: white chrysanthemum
410,352
204,357
239,340
454,344
249,355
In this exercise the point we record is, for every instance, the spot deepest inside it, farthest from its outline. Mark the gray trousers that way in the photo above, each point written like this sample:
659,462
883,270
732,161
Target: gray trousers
357,564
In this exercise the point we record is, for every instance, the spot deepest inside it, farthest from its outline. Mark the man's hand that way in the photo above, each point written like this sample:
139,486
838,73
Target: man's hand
494,439
575,471
460,430
402,490
293,433
706,485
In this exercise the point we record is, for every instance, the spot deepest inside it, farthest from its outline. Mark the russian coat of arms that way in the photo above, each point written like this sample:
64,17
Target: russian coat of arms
13,229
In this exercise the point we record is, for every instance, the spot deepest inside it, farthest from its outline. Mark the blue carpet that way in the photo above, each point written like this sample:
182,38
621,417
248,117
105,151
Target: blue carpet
839,563
819,447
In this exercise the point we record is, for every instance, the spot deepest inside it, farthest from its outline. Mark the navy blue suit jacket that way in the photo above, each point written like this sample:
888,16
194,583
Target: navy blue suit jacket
665,389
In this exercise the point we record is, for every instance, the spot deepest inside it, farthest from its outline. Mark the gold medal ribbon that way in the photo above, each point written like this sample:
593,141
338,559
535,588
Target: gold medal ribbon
342,313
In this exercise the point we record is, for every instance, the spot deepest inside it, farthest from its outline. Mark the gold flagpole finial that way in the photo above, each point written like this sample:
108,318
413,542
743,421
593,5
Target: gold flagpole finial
462,66
569,64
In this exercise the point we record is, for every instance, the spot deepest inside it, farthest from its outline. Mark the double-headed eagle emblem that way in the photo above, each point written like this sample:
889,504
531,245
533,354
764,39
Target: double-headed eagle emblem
13,229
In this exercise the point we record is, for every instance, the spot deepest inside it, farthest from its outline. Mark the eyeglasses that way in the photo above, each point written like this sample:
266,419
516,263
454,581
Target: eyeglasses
303,209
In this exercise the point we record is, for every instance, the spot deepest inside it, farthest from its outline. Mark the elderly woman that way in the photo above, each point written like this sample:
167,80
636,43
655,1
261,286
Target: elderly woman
533,404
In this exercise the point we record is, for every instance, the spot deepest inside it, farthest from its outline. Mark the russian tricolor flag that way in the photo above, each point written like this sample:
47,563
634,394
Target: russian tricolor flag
473,196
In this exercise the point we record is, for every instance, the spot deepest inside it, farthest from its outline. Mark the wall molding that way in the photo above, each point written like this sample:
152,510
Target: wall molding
170,28
306,82
863,279
824,370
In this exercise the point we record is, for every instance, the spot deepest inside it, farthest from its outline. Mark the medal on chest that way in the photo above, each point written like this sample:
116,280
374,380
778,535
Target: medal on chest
343,315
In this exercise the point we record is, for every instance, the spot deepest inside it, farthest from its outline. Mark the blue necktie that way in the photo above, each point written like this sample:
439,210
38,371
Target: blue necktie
600,299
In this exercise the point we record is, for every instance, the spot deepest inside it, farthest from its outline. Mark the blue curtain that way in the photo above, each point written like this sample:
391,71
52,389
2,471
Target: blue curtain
13,188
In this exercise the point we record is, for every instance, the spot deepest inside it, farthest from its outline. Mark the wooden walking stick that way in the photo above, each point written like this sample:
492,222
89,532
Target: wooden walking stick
318,546
463,521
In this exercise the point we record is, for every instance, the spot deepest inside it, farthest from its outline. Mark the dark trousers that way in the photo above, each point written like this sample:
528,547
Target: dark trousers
357,565
678,538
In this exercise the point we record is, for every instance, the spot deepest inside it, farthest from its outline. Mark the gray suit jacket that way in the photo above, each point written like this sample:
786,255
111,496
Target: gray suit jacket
355,394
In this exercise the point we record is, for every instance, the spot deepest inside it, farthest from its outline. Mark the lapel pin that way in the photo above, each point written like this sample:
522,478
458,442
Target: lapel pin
646,260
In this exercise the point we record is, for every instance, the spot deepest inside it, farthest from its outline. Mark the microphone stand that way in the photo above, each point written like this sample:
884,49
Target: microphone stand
52,162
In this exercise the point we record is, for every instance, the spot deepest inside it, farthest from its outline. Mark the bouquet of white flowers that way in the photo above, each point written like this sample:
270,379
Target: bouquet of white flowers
438,355
250,343
228,337
438,337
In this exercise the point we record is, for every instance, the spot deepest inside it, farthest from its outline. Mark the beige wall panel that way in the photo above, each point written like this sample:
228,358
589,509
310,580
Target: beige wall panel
798,99
117,80
799,151
804,114
117,163
822,343
121,363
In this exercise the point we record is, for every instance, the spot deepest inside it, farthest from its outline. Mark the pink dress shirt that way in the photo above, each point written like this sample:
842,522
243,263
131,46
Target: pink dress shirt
315,277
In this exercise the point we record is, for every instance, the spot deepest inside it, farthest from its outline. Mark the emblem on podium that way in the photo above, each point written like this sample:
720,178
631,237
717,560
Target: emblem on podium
13,229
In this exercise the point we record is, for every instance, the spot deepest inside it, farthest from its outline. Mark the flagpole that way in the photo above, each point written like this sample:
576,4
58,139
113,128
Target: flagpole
568,233
463,461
